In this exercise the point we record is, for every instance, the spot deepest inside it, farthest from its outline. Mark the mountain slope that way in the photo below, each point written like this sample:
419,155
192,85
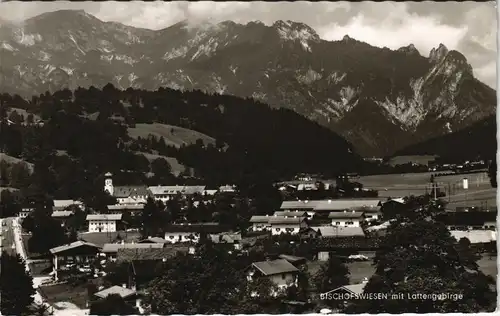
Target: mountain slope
475,141
380,100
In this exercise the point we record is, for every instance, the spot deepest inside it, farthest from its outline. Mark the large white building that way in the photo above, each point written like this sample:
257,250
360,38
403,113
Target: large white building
285,225
99,223
346,218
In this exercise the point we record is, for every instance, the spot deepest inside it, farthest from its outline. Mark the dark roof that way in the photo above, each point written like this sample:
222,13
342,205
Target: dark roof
275,267
466,218
259,219
277,220
126,191
108,237
72,245
149,253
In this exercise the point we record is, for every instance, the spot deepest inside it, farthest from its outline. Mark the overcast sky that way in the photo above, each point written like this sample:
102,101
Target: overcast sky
469,27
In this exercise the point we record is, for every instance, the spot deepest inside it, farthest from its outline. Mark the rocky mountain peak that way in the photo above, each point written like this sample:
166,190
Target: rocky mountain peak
410,49
437,54
346,38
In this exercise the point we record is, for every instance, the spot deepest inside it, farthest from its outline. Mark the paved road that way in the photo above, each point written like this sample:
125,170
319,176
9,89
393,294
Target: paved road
8,240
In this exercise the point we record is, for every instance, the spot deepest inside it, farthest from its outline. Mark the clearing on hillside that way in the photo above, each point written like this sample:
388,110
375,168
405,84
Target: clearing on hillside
173,135
24,113
177,168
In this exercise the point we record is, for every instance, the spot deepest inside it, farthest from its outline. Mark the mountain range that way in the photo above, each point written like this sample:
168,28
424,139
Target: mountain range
380,100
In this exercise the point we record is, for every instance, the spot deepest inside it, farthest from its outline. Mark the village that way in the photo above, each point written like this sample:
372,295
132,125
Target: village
309,232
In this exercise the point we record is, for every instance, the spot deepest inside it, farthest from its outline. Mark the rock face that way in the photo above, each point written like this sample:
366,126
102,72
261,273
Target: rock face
379,99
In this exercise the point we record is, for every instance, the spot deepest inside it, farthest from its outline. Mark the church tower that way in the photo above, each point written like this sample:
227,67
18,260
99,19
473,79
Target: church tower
108,183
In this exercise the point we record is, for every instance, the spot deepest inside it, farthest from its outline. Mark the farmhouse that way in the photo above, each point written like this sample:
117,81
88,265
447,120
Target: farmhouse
126,194
282,225
306,205
165,193
259,223
227,238
103,222
346,218
190,232
78,253
351,290
280,272
348,204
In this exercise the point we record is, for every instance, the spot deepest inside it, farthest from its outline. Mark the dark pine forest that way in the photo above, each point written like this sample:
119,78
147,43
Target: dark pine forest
84,134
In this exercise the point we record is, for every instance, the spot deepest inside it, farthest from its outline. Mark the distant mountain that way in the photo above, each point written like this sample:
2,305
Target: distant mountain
476,141
379,99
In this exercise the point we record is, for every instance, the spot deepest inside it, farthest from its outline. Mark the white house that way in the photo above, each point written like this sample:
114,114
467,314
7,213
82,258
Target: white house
282,225
190,232
281,272
103,222
260,223
346,218
166,192
126,194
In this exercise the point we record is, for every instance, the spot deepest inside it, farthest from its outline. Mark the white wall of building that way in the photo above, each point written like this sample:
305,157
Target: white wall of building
284,229
343,222
175,237
107,226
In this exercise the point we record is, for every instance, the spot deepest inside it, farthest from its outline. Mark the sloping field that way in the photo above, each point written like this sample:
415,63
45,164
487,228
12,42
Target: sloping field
177,168
173,135
13,160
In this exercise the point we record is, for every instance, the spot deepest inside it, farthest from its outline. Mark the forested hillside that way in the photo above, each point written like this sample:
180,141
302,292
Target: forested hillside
477,141
85,133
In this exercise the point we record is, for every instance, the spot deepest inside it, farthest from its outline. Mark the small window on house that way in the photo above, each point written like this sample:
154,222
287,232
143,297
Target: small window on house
337,223
278,229
283,276
350,223
171,237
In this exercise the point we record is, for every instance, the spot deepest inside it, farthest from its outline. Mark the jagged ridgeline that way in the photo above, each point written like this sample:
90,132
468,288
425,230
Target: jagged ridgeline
379,99
238,137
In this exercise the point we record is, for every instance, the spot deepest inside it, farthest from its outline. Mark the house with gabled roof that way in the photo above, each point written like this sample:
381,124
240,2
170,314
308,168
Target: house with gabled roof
281,272
283,225
166,192
191,232
259,223
346,218
103,222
